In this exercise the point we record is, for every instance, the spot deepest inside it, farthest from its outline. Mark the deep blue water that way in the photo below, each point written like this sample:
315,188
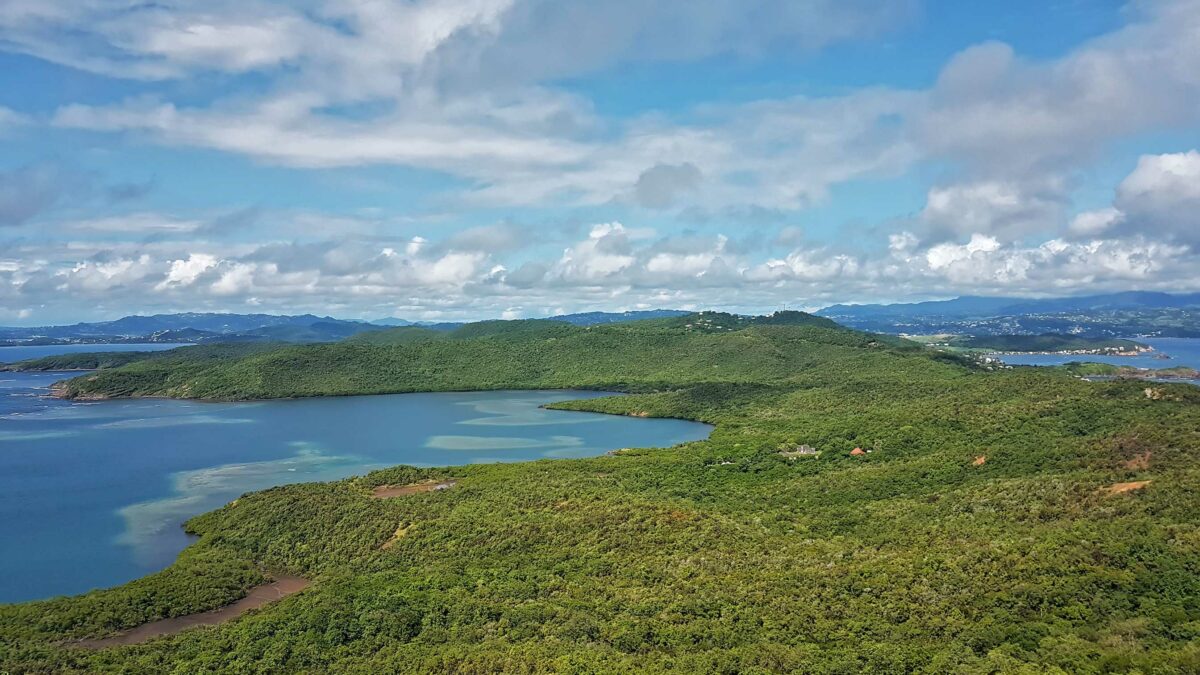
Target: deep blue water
22,353
93,494
1183,352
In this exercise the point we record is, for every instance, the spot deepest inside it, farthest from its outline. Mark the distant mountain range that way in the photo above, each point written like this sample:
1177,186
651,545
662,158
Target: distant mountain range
580,319
595,318
194,327
1110,315
1113,314
976,306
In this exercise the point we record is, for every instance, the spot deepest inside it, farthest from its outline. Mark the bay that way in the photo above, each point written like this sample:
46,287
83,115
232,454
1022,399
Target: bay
12,354
93,494
1180,352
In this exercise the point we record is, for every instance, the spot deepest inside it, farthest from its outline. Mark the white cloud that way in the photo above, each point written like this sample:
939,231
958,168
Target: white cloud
136,222
613,266
204,43
479,41
944,256
90,277
1095,223
1162,196
235,279
1005,209
185,272
464,88
605,252
290,132
459,83
1159,200
1001,113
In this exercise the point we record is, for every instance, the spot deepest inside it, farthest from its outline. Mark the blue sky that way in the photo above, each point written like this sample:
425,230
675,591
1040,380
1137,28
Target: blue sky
462,159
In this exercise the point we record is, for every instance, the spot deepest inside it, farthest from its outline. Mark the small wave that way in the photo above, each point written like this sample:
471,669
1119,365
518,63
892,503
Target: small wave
473,443
6,436
159,422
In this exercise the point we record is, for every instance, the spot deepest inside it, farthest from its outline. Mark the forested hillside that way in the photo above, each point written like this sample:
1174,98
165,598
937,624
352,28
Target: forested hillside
504,355
951,520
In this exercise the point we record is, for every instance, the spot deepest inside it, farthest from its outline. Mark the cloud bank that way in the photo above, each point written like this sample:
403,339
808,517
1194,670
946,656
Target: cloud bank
478,92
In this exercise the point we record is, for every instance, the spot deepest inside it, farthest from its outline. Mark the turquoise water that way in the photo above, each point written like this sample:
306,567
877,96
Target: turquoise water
93,494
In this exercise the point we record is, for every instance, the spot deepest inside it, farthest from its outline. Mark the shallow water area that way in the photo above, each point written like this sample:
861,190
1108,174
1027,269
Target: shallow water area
94,494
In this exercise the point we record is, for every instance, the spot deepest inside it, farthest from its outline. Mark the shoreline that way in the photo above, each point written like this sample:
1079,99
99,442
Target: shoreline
1082,352
257,597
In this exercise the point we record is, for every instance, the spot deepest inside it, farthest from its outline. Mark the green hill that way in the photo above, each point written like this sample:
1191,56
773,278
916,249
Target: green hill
988,526
532,354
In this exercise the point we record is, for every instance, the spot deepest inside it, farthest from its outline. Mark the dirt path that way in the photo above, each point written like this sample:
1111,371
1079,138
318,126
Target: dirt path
258,596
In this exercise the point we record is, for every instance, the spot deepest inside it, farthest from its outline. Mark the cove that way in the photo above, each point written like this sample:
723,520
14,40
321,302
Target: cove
94,494
1177,352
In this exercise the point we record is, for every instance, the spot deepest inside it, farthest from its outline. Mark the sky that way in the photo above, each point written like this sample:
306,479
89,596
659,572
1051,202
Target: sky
470,159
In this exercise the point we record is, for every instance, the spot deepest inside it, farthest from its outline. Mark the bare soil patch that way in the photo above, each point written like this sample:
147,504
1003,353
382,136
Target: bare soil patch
257,597
393,491
1119,488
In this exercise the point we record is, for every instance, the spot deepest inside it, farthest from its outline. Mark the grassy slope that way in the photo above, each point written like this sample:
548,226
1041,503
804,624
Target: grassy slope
718,556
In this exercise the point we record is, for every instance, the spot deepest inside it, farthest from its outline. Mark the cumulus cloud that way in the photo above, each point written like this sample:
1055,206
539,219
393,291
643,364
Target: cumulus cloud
1095,223
1159,199
1009,210
463,88
1162,196
611,266
606,252
1003,114
184,272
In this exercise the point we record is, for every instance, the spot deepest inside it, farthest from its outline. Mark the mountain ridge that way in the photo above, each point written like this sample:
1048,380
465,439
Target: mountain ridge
199,327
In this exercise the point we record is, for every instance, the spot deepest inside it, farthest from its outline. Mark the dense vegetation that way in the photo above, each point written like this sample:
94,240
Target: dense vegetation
1085,369
975,535
500,355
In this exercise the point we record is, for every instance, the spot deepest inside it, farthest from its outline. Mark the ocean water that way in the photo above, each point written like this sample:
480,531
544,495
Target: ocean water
26,352
1182,352
93,494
